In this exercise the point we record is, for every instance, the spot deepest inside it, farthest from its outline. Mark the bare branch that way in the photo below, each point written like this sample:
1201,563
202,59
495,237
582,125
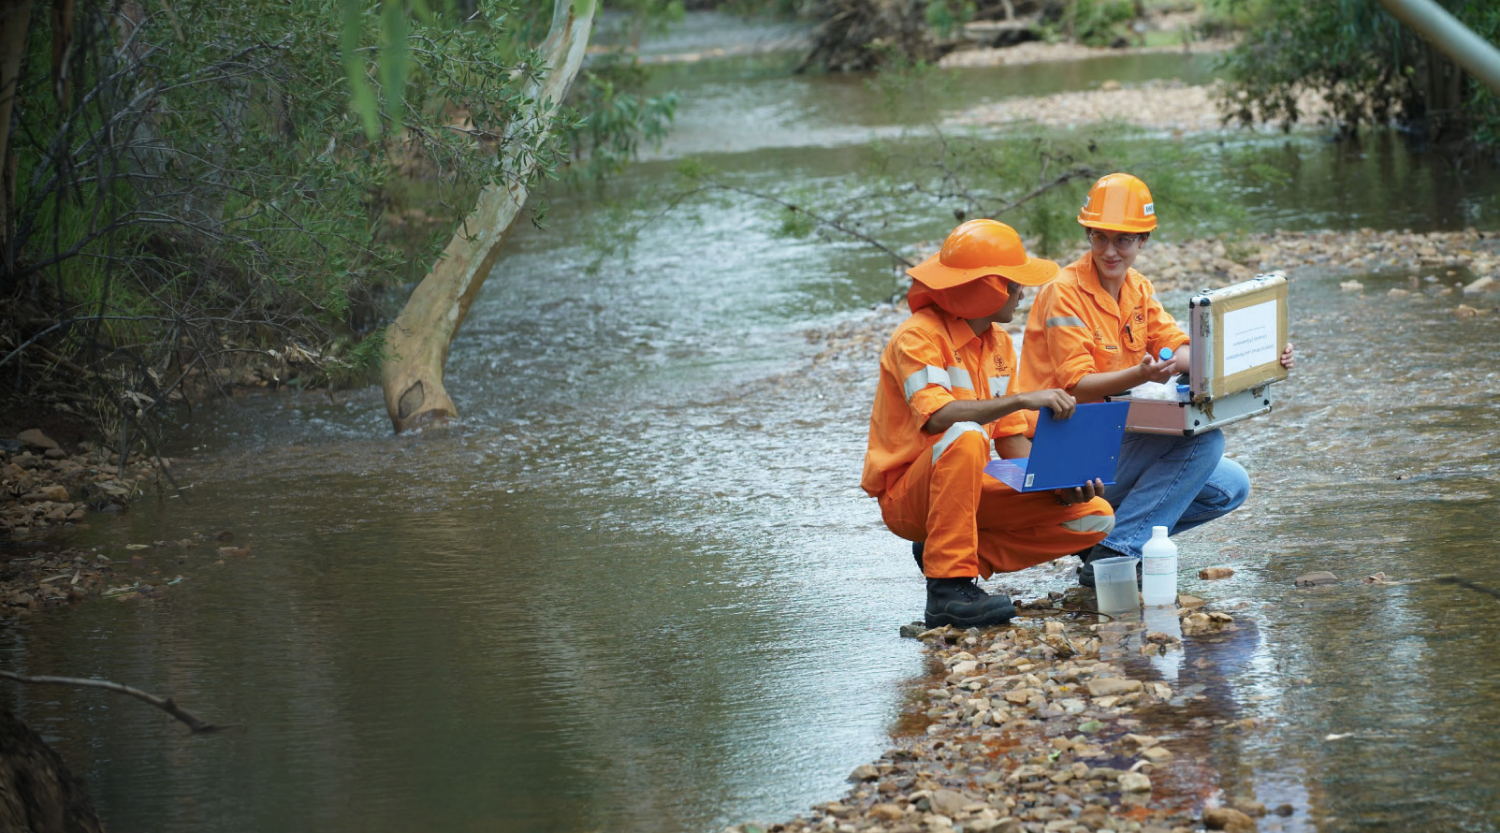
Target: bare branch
167,705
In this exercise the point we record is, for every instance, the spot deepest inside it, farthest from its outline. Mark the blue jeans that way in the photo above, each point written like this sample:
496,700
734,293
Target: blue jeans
1175,482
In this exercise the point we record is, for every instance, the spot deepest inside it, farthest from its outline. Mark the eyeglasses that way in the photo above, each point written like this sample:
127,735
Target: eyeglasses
1123,242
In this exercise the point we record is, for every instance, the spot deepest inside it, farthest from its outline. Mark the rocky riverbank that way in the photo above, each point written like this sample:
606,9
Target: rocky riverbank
1169,105
1034,727
1037,51
46,488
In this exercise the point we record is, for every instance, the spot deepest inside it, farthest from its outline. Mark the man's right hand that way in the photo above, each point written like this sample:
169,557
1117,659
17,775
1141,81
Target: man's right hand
1060,401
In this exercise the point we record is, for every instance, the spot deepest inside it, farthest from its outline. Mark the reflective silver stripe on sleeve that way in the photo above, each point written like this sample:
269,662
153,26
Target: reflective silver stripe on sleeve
998,385
954,432
961,378
1065,321
1091,523
928,375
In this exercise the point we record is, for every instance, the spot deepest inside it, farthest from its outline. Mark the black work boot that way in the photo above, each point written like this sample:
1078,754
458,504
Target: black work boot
1097,553
960,602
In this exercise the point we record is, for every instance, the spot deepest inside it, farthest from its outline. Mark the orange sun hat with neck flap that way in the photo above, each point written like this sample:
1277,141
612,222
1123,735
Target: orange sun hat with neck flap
978,248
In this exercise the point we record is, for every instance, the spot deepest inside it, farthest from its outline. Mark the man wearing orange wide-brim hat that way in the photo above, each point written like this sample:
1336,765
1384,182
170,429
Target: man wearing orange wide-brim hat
945,397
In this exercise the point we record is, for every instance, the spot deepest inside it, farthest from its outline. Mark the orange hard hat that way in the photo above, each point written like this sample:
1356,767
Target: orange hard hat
978,248
1119,202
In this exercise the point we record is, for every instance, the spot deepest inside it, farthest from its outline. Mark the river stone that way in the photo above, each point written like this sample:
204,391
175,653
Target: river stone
1224,818
864,772
1480,285
886,811
36,439
1316,579
1135,782
1208,573
1250,807
1105,686
947,803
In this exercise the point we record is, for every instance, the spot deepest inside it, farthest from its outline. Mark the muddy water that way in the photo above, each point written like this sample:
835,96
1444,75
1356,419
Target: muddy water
637,588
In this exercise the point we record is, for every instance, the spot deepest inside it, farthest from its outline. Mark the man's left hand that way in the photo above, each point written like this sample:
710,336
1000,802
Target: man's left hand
1080,494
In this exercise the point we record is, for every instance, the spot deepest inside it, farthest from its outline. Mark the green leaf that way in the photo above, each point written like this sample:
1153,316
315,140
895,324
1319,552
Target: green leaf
361,95
393,58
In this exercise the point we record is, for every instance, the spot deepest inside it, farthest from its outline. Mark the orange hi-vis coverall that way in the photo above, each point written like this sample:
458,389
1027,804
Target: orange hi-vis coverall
1076,328
933,488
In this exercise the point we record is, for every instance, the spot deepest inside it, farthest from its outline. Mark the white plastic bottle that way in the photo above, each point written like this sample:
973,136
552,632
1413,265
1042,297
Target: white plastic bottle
1159,569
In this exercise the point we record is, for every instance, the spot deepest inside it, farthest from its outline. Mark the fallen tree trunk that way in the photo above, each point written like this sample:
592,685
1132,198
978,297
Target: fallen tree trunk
417,343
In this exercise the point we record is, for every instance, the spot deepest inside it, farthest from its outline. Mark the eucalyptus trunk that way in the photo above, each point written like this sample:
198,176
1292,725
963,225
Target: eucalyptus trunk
417,343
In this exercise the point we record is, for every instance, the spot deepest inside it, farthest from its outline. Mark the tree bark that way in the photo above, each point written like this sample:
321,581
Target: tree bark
417,343
37,792
15,17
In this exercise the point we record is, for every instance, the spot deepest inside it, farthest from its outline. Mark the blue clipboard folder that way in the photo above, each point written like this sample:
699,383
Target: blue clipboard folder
1068,452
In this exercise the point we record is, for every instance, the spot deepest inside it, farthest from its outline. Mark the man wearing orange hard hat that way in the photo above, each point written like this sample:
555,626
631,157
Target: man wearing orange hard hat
1099,330
945,396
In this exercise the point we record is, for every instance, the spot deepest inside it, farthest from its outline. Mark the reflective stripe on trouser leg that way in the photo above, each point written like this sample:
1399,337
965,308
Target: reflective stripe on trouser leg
955,431
1091,523
1017,531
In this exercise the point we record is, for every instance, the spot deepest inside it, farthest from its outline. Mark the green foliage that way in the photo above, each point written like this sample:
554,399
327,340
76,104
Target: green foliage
1367,66
946,18
1092,22
208,190
1222,17
617,115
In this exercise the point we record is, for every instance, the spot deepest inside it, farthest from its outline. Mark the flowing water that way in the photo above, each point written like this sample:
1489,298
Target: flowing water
636,587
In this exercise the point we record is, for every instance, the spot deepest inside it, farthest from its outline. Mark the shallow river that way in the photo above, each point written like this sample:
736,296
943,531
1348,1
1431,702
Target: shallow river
636,587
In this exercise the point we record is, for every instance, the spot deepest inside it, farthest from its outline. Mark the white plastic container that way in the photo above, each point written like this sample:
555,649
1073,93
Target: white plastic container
1159,570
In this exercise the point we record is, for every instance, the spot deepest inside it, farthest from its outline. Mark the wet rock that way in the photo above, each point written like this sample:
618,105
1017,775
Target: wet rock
947,802
1317,579
1250,807
1105,686
1209,573
1225,818
1187,602
1351,286
886,811
1483,284
36,439
1378,578
1134,782
912,630
1285,810
864,772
